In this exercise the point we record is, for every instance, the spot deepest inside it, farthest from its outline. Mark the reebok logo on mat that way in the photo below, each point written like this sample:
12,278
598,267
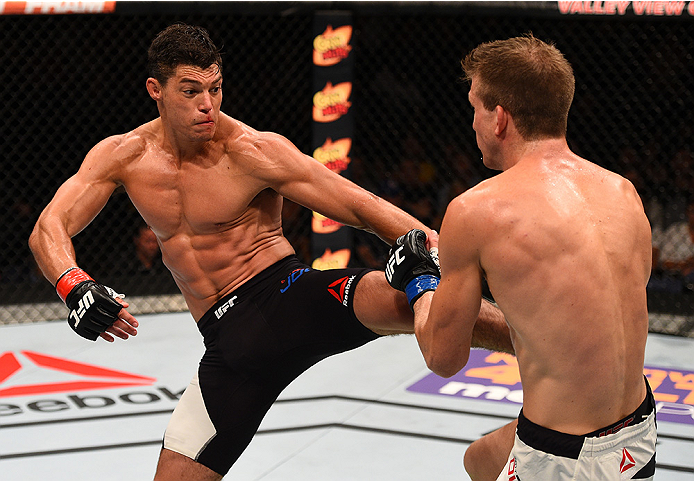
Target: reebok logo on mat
340,289
87,376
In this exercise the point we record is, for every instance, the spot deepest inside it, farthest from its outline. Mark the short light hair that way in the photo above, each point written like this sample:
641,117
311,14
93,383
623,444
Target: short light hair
529,78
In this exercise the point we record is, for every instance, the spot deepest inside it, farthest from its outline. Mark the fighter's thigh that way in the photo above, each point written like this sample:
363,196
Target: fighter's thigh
190,428
381,308
176,467
486,457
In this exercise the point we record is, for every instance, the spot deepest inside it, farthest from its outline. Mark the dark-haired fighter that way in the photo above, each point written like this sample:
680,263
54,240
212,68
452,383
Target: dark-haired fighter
211,189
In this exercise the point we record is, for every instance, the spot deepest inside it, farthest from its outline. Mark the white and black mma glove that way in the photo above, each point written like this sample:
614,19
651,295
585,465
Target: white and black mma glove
93,307
410,267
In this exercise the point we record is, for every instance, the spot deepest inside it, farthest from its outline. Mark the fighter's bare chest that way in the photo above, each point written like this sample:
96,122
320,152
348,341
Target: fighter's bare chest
198,197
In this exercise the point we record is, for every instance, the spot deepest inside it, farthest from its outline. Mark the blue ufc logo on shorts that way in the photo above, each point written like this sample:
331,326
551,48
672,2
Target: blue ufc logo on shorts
291,279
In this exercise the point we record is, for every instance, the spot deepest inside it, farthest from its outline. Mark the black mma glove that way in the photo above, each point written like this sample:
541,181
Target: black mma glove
410,268
93,307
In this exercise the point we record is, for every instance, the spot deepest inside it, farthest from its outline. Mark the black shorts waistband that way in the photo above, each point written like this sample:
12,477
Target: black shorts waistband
570,445
211,316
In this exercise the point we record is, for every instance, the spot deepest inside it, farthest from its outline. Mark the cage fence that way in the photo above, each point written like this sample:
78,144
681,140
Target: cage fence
69,81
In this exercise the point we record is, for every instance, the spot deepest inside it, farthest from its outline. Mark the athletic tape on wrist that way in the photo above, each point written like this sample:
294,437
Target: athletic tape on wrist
69,279
419,285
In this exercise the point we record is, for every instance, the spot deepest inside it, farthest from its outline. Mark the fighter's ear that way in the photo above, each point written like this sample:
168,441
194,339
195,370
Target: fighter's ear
154,88
501,120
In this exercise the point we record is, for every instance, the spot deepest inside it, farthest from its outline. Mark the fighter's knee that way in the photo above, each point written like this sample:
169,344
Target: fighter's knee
480,461
173,466
471,462
380,307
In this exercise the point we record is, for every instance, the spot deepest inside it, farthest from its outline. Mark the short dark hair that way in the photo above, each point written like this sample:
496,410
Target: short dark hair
181,44
529,78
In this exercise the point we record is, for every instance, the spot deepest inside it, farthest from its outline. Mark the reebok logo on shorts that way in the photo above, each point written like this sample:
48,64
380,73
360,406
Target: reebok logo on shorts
340,289
627,461
512,476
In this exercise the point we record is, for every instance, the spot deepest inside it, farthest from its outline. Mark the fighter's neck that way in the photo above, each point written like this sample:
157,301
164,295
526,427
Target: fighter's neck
186,149
536,150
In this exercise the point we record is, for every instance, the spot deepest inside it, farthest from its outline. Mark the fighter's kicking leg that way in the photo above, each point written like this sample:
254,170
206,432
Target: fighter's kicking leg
486,458
177,467
380,307
385,311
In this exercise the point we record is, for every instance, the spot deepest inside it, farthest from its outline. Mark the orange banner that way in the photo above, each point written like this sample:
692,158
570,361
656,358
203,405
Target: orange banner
330,47
333,65
332,102
334,155
53,8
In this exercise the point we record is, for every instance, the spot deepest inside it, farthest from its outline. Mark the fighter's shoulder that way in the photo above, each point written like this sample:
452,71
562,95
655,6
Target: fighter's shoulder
624,184
123,147
613,181
478,201
245,141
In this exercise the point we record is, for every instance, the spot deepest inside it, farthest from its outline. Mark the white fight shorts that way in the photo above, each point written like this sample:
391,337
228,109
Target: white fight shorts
625,450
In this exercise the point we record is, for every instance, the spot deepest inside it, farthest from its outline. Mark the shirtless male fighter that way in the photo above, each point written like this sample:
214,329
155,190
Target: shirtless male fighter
211,189
565,247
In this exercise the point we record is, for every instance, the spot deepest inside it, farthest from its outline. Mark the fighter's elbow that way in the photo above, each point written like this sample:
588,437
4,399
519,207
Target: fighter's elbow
441,370
34,239
444,366
37,238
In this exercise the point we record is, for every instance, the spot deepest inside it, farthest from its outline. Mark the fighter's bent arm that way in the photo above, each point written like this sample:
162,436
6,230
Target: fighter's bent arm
491,330
455,318
73,207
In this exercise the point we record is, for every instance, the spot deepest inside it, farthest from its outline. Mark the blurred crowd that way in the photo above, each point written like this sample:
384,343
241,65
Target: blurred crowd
133,263
419,185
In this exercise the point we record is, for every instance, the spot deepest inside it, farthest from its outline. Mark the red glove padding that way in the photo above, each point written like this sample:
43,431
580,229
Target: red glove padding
93,307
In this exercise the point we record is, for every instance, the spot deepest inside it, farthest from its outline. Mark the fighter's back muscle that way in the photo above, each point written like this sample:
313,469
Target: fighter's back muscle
570,224
566,252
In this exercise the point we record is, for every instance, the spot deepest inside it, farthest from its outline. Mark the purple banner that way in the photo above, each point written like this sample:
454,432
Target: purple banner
493,376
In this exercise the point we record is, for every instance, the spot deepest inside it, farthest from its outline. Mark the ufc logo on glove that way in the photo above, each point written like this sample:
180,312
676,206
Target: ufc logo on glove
410,267
82,306
395,259
93,307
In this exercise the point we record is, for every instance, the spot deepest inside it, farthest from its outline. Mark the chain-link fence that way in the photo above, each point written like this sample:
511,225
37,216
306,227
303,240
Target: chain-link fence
69,81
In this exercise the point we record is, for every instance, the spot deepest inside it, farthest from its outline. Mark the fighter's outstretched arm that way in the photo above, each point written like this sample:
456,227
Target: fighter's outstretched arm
491,330
306,181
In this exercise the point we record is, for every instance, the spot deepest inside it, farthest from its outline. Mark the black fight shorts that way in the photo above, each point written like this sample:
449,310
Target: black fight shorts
258,339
